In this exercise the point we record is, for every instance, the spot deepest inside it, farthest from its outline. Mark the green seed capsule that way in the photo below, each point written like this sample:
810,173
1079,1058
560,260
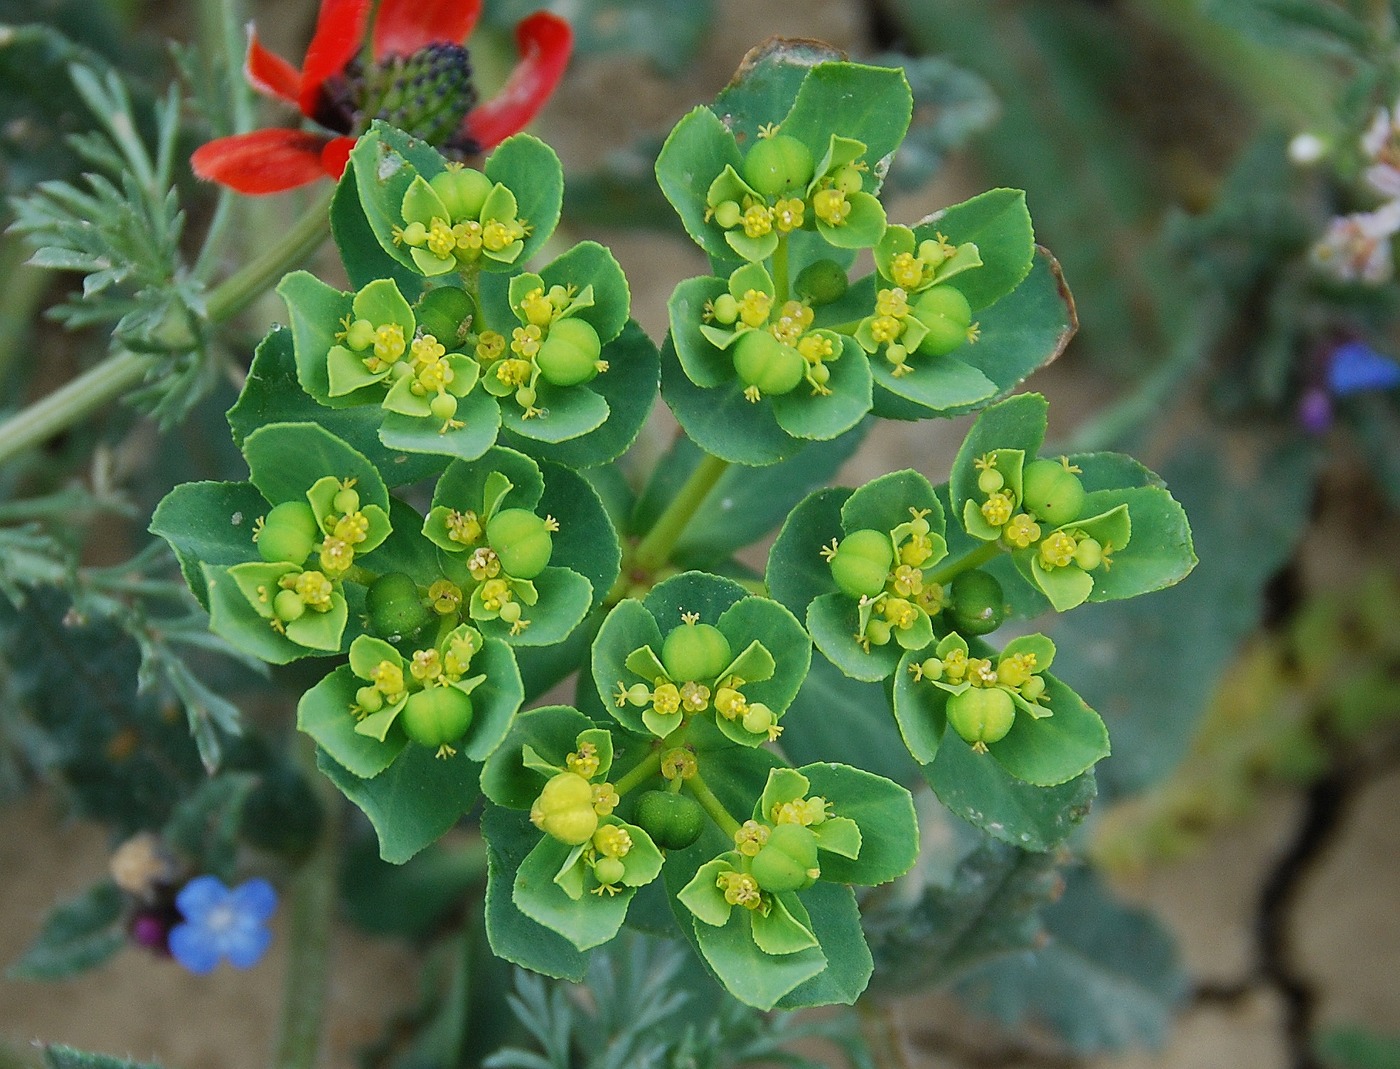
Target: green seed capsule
862,563
1088,554
758,719
289,533
525,397
569,355
463,192
981,715
694,652
779,163
394,606
522,541
510,612
728,213
878,632
437,716
609,870
1051,492
990,481
443,406
726,308
1033,688
947,315
822,282
288,606
788,860
360,334
849,179
932,668
766,364
564,809
979,604
674,821
346,501
369,699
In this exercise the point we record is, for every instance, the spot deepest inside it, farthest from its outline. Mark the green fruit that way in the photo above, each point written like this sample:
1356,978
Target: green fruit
522,540
728,214
369,699
788,861
288,606
877,632
981,715
1051,492
564,809
437,716
822,282
442,313
990,481
462,191
443,406
289,533
569,355
947,315
979,603
394,606
778,163
346,500
766,364
758,719
862,563
609,870
848,179
694,652
1088,554
674,821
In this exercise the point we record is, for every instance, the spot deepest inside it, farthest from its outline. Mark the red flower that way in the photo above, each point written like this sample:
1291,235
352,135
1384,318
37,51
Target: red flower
419,79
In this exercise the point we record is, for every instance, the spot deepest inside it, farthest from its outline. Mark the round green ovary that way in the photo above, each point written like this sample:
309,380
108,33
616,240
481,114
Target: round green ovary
289,533
822,282
609,870
862,563
693,652
564,809
437,716
1051,492
521,540
394,606
979,604
674,821
947,315
776,164
788,860
981,715
569,355
766,364
462,191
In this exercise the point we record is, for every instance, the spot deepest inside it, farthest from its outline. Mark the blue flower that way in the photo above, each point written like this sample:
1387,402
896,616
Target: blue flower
1357,368
222,923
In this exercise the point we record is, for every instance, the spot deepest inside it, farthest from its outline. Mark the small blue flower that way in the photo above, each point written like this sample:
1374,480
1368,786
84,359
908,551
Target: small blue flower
222,923
1357,368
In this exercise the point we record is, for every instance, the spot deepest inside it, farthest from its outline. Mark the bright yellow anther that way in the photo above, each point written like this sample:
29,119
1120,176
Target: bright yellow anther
758,220
1016,669
460,652
513,372
389,342
612,840
494,594
814,348
314,589
353,527
893,303
754,307
730,703
425,665
490,346
678,764
908,581
584,760
463,528
831,207
787,214
981,672
996,510
387,678
538,309
605,799
908,271
441,239
1057,550
496,235
955,665
885,329
483,564
750,837
526,340
1022,531
740,889
468,235
695,697
445,597
666,699
336,555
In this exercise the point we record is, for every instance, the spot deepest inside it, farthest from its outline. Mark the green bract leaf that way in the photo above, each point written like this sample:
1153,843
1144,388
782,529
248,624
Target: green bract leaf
999,224
750,975
628,627
209,523
697,150
477,411
832,620
884,812
286,459
873,104
884,503
551,732
1016,423
586,921
797,573
364,258
531,170
324,713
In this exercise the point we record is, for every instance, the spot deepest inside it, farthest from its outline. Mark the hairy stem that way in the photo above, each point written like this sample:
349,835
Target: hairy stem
655,549
977,557
700,791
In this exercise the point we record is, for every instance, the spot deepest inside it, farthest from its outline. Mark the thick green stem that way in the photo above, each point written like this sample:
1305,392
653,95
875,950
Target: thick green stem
977,557
123,371
655,549
700,791
639,773
311,911
780,271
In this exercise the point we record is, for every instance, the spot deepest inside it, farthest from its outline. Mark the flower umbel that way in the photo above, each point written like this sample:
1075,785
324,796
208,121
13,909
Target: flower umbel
222,924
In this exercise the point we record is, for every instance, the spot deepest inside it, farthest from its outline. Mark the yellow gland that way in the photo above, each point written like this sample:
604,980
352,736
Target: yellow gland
387,678
981,672
666,699
389,342
584,761
490,346
695,697
538,309
1022,531
441,239
496,235
754,307
758,220
483,564
678,764
935,251
787,214
730,704
885,329
814,348
996,510
908,271
494,594
468,235
831,207
804,811
513,372
750,837
610,840
955,665
917,550
1057,550
314,589
336,555
1016,669
445,597
740,889
353,527
526,341
605,798
425,349
458,658
425,666
463,527
893,302
930,599
899,613
908,581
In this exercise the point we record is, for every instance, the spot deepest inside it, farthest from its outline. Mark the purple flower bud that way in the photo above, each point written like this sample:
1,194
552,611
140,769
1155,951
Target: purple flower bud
1315,411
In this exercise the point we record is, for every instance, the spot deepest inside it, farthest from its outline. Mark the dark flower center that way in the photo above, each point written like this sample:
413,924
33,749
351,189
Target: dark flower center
426,94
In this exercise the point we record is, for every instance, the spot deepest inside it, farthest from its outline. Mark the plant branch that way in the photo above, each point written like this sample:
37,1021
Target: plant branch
972,559
655,549
701,792
642,771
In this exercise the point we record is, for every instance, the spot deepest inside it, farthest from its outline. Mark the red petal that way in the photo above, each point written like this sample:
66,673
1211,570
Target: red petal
340,30
545,42
336,155
269,73
264,161
402,27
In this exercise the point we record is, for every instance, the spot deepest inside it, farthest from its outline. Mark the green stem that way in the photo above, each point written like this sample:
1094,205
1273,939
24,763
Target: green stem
848,329
880,1031
123,371
641,772
701,792
979,556
780,271
311,910
655,549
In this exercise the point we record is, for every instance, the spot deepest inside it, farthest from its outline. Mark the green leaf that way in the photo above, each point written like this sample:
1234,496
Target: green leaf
999,224
1054,749
590,264
695,152
566,412
586,541
704,363
1016,423
479,413
783,638
832,620
871,104
753,977
78,934
797,572
822,418
552,732
884,503
1158,555
937,385
233,618
317,312
564,600
324,713
835,920
530,169
884,812
708,596
627,628
629,388
413,802
495,702
385,161
286,459
781,932
586,922
364,258
210,523
766,84
463,485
